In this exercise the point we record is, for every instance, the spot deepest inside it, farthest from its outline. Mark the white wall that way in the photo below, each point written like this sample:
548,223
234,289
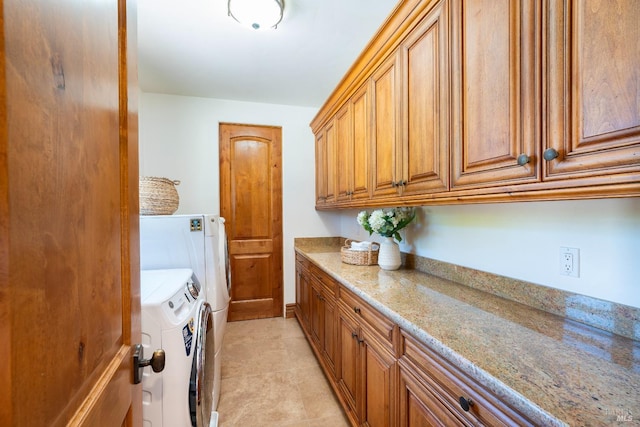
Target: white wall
179,140
522,241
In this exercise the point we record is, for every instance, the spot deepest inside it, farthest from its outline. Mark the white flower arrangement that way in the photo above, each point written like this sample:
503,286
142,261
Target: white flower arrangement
386,222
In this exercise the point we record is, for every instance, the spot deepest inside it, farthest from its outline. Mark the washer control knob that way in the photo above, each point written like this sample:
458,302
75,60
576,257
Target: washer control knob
193,290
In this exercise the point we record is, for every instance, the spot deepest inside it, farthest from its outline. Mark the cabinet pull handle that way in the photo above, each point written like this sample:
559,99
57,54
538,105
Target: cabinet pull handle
354,335
356,310
403,183
360,340
394,184
465,403
550,154
523,159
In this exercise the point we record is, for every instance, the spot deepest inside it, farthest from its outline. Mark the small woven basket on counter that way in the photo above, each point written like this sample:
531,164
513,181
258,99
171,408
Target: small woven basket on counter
158,196
350,256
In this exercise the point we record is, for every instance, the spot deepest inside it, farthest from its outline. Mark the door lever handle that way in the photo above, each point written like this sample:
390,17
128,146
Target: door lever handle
156,362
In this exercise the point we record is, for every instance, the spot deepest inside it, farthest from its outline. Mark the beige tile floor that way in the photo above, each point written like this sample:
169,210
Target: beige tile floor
270,377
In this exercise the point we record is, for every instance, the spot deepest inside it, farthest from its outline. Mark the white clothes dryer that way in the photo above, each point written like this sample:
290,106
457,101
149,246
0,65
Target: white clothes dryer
176,318
198,242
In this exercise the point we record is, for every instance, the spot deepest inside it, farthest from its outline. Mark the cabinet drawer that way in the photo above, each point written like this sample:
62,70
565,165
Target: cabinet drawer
302,262
330,285
450,385
383,328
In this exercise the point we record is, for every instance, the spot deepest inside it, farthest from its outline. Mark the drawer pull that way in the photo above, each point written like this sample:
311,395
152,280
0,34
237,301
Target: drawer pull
465,403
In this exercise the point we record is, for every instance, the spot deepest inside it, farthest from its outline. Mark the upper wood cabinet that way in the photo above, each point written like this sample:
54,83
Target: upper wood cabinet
386,127
491,101
494,92
326,165
425,104
593,89
353,124
411,112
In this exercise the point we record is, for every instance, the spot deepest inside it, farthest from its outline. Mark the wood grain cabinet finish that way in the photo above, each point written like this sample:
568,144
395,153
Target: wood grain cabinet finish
493,101
316,311
432,388
326,165
353,124
382,376
593,89
367,369
386,152
494,92
303,290
425,105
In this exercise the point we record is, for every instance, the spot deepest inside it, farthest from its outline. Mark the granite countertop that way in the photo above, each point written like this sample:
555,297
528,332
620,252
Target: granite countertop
555,370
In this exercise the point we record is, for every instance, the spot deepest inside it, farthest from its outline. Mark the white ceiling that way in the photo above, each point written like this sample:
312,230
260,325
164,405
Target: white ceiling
192,48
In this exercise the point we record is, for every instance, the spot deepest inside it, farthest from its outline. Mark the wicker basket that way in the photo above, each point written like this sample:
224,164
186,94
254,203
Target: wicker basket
158,196
349,256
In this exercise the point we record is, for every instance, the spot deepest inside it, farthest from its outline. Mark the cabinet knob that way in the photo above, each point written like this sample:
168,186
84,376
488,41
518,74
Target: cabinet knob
354,335
465,403
550,154
356,310
402,183
394,184
523,159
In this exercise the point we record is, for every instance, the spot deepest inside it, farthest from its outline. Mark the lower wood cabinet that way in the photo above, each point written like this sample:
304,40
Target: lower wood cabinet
431,388
382,375
366,373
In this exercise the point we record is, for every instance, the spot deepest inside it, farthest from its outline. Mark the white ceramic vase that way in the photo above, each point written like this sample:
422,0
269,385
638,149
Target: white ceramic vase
389,255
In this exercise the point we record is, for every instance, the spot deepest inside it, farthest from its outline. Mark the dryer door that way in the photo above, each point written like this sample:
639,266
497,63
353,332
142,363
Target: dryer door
202,370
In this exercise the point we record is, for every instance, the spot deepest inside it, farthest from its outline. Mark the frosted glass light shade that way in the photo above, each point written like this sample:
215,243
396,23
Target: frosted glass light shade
257,14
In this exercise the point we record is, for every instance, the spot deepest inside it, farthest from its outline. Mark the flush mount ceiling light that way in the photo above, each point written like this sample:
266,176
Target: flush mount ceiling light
257,14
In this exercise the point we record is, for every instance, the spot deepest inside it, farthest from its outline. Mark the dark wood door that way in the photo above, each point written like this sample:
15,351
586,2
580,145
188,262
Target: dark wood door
251,202
69,269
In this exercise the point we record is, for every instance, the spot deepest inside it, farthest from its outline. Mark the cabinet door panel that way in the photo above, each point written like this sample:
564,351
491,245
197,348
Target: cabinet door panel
330,171
425,151
330,333
344,150
321,169
593,87
419,406
386,108
316,315
495,92
346,370
361,114
380,381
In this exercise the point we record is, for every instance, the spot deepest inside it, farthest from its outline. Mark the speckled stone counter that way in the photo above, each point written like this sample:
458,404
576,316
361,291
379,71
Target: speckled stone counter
554,369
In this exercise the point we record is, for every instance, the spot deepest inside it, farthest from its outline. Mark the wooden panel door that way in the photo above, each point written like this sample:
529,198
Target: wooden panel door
593,88
330,171
251,203
495,92
386,134
425,144
69,252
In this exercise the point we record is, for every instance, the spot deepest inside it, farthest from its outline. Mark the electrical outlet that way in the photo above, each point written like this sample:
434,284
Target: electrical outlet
570,262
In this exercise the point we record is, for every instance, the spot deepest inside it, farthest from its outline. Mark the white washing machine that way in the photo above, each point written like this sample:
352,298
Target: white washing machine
176,318
198,242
